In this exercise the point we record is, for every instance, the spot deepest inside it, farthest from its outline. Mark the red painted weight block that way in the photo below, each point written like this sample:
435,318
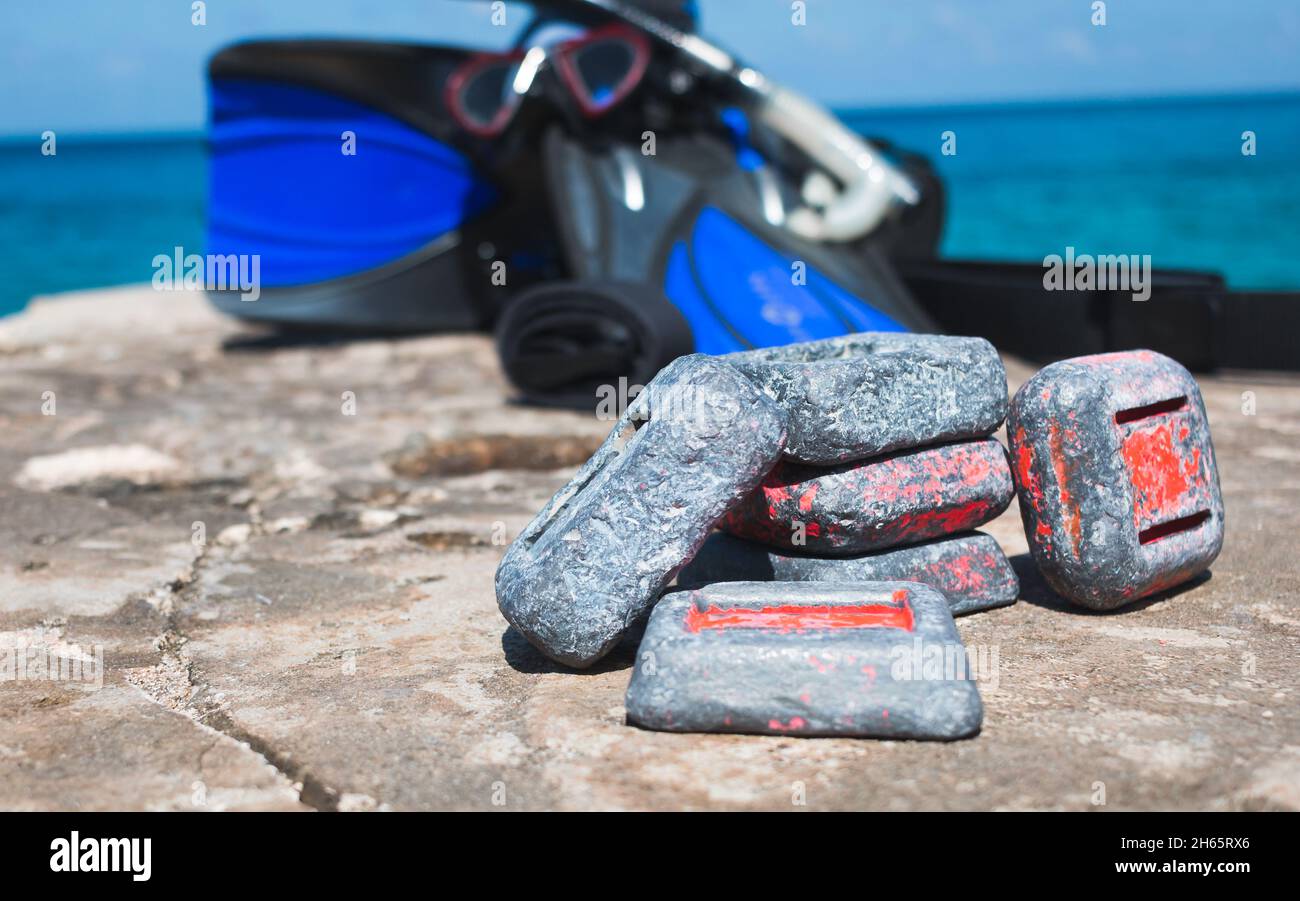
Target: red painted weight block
1115,470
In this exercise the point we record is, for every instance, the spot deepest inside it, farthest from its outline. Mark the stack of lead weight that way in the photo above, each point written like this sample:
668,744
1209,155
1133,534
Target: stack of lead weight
698,446
887,470
856,466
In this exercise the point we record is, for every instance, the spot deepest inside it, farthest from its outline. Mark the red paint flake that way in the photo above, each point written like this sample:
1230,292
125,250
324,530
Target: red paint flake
943,521
801,617
807,498
796,723
1025,467
961,572
1069,509
775,493
1160,477
976,469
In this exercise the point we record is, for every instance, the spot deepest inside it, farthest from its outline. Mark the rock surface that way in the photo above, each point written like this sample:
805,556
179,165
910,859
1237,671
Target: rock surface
340,648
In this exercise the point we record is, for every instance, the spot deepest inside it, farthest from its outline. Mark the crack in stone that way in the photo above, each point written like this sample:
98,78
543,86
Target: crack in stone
173,684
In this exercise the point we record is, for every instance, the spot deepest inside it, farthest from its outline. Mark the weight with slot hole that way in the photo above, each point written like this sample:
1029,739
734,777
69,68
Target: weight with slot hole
1115,471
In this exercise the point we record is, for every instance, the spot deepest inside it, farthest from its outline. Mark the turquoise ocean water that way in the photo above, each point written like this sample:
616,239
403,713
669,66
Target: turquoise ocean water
1165,178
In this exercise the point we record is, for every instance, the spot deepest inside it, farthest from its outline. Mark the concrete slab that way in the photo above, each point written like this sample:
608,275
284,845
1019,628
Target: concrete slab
333,641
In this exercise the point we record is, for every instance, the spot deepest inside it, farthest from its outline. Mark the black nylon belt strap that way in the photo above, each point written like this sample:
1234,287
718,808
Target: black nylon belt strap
1190,316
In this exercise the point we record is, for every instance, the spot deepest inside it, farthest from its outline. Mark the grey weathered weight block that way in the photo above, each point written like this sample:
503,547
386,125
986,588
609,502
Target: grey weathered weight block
898,499
600,553
865,394
970,569
1119,488
870,659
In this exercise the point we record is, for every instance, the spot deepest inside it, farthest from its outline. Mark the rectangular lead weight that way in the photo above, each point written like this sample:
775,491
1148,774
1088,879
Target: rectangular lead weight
873,392
597,557
807,659
970,569
900,498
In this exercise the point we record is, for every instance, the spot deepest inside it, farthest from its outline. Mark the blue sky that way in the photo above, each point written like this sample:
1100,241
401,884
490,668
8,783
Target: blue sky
125,65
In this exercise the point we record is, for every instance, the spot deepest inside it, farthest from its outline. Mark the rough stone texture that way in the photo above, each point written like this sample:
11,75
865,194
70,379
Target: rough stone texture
901,498
341,646
596,558
1116,474
970,569
861,395
805,659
